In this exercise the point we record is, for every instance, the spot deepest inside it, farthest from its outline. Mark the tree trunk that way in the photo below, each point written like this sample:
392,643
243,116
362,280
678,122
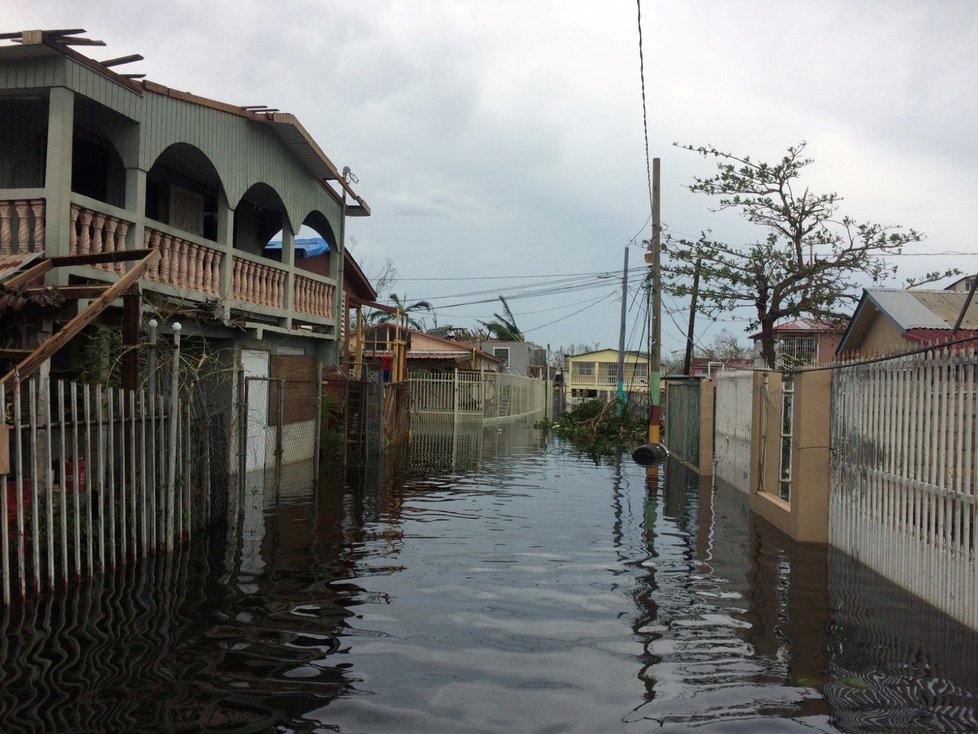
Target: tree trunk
767,344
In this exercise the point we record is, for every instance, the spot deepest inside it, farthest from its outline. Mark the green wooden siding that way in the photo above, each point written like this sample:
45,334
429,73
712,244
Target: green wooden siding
243,151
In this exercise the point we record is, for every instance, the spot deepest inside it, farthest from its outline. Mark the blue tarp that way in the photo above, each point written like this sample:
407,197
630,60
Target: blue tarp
308,246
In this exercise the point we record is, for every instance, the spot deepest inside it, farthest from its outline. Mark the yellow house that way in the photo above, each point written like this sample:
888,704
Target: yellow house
595,375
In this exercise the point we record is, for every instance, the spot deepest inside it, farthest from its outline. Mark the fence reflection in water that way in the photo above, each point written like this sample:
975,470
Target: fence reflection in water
98,477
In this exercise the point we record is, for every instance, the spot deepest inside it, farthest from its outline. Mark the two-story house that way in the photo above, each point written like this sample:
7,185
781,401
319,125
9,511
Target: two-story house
93,160
595,375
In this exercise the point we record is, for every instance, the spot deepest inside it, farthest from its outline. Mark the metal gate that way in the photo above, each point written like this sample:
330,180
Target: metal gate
732,427
682,434
903,474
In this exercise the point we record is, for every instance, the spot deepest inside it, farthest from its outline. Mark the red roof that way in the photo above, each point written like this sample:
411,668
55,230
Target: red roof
803,324
937,336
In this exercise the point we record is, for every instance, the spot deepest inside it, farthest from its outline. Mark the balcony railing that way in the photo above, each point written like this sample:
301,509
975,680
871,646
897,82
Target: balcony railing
93,232
183,263
258,283
313,297
21,226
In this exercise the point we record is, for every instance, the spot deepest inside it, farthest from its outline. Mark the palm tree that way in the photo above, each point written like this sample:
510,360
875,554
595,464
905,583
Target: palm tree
504,328
385,317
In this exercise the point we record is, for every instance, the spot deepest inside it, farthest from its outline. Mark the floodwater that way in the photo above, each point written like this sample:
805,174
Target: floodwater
500,583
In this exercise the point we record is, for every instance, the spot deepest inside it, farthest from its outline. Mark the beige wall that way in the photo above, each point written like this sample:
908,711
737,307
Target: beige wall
882,337
804,516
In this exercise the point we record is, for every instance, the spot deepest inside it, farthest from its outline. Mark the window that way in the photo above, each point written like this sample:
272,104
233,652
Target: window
609,373
796,349
501,353
641,371
582,369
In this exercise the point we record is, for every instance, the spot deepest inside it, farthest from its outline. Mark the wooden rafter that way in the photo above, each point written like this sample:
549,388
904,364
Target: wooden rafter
69,331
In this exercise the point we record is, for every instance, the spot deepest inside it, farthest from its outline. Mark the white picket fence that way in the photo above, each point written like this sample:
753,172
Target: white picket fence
484,396
904,465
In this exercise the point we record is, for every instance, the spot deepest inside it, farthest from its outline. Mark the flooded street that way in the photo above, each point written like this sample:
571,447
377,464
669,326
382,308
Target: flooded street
504,584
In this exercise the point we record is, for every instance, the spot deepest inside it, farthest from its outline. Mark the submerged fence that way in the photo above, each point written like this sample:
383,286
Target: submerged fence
903,474
478,395
96,477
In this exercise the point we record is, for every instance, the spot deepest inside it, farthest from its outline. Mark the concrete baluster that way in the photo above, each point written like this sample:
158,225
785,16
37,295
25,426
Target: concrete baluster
97,230
111,223
85,241
180,250
23,230
6,235
195,271
208,282
165,257
37,206
120,245
73,231
151,239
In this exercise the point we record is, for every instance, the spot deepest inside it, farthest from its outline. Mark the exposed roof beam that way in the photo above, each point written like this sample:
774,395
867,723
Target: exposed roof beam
118,61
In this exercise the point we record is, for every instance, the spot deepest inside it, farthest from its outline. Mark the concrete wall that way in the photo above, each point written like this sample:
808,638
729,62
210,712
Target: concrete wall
804,516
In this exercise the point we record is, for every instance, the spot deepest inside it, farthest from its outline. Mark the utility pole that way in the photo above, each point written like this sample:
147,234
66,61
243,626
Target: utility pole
655,330
621,337
688,361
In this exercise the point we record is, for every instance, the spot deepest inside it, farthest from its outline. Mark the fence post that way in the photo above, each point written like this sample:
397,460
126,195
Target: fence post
278,439
153,442
172,447
455,394
318,427
242,443
4,506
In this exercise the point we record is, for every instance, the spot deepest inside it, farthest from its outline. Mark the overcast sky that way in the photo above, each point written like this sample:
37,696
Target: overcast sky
505,138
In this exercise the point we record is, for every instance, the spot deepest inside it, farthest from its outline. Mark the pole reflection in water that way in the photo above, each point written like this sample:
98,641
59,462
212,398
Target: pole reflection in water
490,582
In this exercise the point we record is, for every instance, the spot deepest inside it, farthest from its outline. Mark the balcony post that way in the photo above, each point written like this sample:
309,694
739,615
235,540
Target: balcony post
136,204
225,242
57,172
288,262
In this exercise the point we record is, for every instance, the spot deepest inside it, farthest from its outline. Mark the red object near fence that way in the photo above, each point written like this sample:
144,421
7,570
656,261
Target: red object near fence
12,498
69,483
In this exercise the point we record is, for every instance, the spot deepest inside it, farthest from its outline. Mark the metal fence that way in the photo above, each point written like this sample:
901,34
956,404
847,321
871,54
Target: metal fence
902,485
96,478
732,427
682,424
278,444
485,396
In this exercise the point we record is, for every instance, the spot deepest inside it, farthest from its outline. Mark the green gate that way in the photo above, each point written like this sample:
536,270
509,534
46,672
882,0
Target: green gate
682,429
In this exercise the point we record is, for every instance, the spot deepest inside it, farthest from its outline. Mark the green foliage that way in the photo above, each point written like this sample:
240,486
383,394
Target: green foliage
809,261
503,328
597,427
406,309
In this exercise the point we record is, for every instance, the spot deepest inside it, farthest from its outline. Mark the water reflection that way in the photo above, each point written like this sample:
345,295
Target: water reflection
492,583
745,629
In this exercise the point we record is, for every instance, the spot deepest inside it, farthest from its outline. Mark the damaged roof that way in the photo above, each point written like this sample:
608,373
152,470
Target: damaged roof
32,44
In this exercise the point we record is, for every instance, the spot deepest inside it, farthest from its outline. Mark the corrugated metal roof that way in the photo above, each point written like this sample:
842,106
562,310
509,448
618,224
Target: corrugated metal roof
905,309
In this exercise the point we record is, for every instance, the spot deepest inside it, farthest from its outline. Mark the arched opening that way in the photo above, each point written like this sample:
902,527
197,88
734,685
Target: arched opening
258,217
183,189
97,169
315,244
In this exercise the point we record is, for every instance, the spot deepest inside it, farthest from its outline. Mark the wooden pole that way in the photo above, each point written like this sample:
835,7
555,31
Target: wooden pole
621,336
655,330
688,361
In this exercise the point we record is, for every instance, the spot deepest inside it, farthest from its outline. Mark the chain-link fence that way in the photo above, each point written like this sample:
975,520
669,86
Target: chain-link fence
682,429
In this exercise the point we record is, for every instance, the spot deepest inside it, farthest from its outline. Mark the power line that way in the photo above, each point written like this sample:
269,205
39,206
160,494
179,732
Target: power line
563,318
645,115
